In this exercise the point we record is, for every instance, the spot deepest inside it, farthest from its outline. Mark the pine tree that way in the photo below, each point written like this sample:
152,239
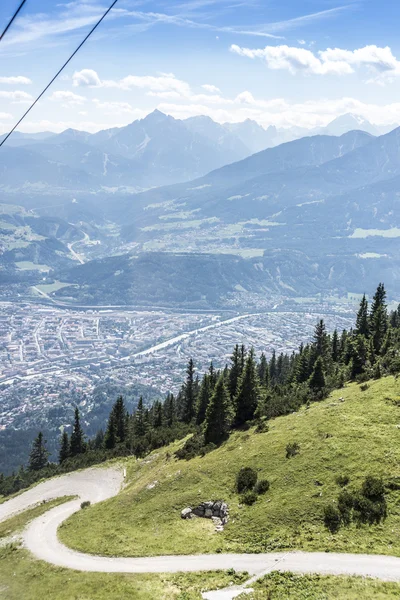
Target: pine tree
170,410
235,371
362,321
64,447
335,347
213,376
77,443
38,458
317,379
272,368
218,415
205,393
248,395
190,394
321,342
158,415
139,423
263,369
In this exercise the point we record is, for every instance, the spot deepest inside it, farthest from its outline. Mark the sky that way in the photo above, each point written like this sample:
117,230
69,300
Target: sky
279,62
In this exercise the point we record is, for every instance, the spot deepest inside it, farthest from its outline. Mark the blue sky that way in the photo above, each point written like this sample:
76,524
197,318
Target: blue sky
296,62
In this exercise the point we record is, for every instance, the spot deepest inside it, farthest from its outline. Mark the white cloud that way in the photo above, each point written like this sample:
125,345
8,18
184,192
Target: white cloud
86,78
16,97
379,61
5,116
68,98
213,89
161,84
18,80
115,108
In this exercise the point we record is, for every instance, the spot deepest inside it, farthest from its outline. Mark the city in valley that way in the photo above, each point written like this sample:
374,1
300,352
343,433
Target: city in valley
53,358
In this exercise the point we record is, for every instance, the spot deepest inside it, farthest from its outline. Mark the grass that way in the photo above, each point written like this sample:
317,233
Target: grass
281,586
357,436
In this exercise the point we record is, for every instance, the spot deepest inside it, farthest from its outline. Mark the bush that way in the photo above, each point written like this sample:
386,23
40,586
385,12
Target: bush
192,447
262,425
248,498
292,449
246,479
342,480
261,486
373,488
332,518
346,501
85,504
364,387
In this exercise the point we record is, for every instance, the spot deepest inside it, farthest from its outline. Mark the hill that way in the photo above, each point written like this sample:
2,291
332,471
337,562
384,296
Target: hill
353,433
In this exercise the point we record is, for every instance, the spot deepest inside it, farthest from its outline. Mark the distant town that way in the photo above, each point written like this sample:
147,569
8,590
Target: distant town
52,358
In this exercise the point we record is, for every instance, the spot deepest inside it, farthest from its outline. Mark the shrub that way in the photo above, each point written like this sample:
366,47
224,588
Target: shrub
292,449
191,448
85,504
262,426
248,498
346,501
332,518
373,488
342,480
261,486
364,387
246,479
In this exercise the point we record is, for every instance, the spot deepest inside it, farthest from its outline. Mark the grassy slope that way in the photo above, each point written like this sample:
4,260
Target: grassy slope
358,436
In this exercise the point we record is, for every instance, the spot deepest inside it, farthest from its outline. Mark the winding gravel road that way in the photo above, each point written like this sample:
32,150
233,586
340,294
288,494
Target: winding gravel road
97,484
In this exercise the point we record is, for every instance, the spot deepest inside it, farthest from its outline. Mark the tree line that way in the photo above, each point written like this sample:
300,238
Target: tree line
247,391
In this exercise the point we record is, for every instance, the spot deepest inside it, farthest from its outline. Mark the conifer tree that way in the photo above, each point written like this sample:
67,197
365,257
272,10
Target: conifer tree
335,352
189,394
39,455
235,371
321,343
362,321
158,415
64,447
317,379
248,395
263,369
205,393
77,442
170,410
272,368
378,319
218,415
213,376
139,423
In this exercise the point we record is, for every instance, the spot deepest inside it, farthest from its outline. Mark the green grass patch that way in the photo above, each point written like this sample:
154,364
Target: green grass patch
281,586
356,437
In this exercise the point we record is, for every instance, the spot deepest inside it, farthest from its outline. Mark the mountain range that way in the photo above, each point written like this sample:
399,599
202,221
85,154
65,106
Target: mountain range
154,151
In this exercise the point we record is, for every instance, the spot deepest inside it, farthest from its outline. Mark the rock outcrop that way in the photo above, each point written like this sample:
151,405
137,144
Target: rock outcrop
217,511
